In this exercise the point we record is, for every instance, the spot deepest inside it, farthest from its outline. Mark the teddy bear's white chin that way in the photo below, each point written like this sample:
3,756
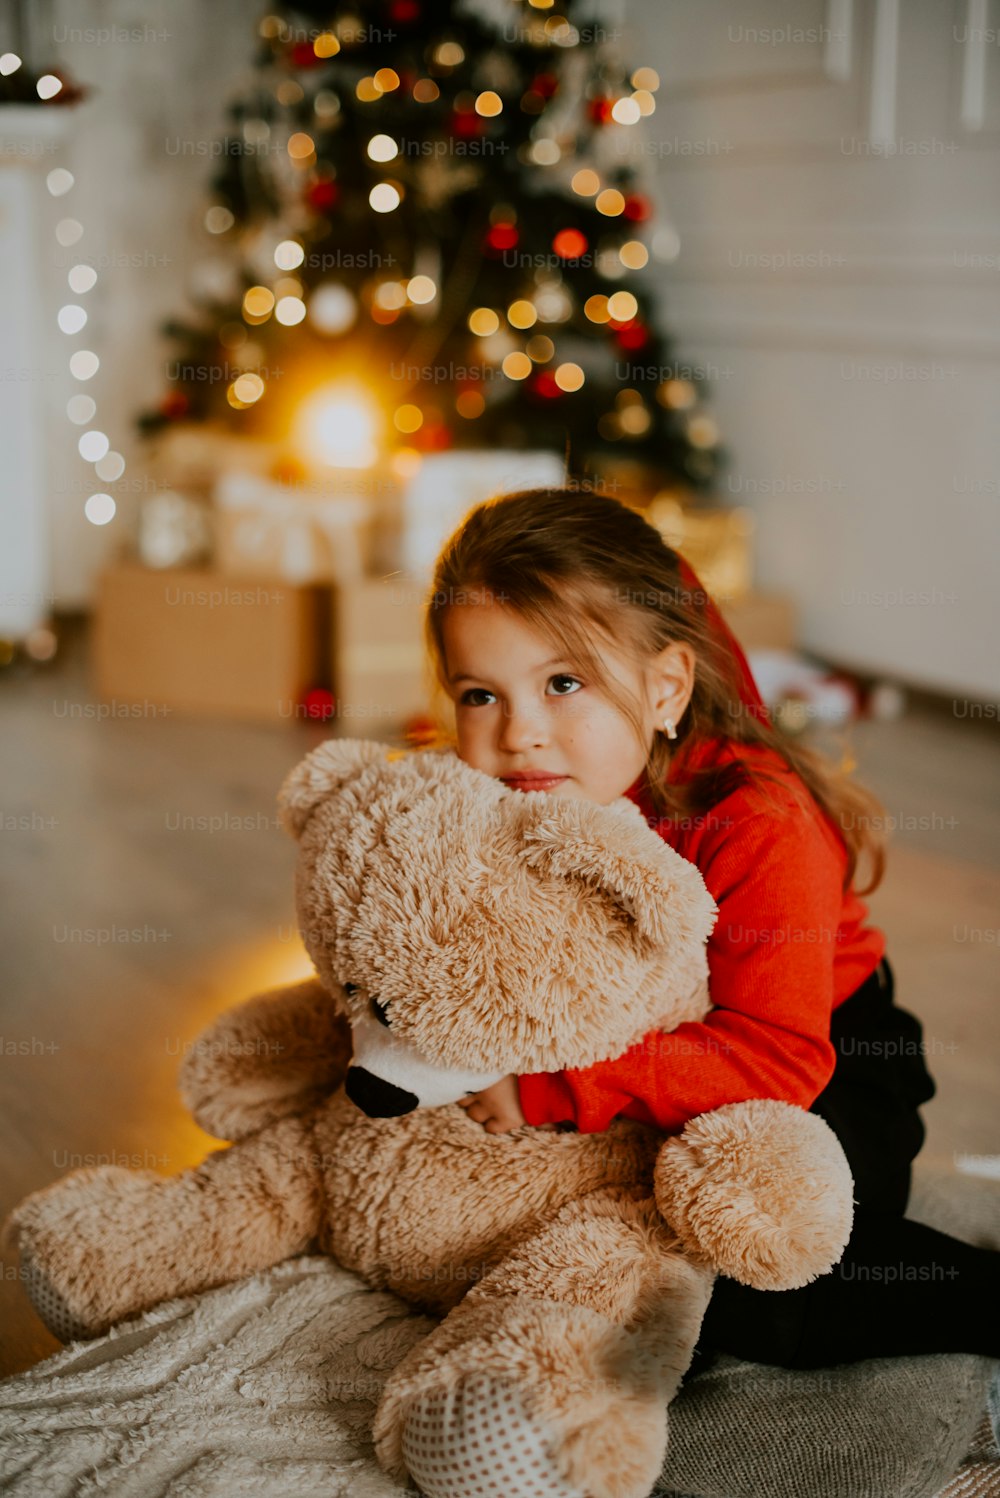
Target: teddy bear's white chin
385,1056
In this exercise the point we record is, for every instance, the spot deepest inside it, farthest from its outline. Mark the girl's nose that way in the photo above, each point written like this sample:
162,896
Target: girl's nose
522,729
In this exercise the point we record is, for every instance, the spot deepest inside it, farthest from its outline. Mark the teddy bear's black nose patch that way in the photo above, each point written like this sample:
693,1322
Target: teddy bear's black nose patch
376,1097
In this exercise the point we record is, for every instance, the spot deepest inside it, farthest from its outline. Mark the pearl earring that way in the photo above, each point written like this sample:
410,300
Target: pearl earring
671,731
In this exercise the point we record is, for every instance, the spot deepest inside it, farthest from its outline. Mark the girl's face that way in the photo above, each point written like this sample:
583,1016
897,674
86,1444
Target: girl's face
533,722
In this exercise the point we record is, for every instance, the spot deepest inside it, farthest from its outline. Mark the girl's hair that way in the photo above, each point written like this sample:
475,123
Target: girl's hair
580,567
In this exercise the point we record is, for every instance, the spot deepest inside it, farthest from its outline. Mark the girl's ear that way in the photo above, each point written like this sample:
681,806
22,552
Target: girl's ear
613,848
671,681
324,771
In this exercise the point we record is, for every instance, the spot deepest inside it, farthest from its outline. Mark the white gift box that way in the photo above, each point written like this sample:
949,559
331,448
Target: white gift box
324,531
447,485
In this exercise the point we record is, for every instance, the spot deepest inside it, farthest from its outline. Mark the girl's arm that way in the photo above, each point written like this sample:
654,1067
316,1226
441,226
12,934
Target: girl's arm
777,880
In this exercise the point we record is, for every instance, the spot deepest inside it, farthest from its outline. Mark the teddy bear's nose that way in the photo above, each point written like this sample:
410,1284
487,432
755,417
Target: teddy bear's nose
376,1097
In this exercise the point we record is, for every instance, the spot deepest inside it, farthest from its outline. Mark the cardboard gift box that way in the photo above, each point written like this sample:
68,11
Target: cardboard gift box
380,677
198,641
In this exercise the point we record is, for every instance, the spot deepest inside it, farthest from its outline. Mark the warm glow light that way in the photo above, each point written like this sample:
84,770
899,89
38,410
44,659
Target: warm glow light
545,152
702,432
408,418
248,388
219,219
384,197
367,91
99,509
48,86
586,182
289,254
633,254
258,303
9,63
301,146
610,202
382,148
385,80
569,376
421,289
92,446
81,278
71,318
540,348
110,467
596,308
84,364
59,181
625,112
488,103
622,306
470,404
645,101
646,78
522,314
80,409
516,366
69,230
332,308
340,425
483,321
449,55
676,395
326,45
290,310
391,295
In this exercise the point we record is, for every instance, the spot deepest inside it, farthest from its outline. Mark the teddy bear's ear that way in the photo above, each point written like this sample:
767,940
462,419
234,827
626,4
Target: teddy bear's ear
614,849
320,774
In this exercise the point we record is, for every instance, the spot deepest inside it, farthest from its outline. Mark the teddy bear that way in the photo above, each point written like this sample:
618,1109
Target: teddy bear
461,931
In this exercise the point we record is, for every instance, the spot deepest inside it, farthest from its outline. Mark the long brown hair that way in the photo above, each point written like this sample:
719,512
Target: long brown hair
581,567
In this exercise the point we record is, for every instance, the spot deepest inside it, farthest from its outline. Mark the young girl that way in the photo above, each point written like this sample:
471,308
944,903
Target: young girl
584,659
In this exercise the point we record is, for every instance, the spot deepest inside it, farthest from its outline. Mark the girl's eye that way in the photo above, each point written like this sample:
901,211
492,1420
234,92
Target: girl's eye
467,696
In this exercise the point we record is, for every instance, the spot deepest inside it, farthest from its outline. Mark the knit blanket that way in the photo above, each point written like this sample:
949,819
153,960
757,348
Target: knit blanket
268,1387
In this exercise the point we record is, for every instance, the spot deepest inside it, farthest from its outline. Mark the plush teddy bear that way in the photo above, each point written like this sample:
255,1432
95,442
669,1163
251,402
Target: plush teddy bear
462,931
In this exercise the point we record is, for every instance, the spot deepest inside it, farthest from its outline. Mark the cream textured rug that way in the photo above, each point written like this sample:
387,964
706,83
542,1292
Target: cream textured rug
267,1388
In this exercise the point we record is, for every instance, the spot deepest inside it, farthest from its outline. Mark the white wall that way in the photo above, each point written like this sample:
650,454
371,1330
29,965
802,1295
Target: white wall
834,181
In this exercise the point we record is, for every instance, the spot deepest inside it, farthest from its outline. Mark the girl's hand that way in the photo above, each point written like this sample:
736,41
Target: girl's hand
497,1108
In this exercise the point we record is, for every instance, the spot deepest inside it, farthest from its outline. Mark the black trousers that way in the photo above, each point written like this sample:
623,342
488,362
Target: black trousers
900,1287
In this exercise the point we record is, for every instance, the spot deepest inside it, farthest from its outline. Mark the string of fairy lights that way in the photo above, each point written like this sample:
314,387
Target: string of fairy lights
511,337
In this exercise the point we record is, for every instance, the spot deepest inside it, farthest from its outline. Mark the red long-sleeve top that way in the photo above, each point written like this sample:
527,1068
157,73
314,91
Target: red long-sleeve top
789,945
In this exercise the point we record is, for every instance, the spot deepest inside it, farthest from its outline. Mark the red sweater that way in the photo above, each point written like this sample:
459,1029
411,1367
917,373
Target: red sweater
788,946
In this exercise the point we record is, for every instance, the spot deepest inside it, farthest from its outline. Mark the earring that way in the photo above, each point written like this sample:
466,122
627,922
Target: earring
671,731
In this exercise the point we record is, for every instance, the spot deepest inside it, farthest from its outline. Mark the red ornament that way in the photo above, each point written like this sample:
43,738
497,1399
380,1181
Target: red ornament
502,236
433,437
466,122
544,384
405,12
303,56
570,244
322,195
637,208
545,84
632,335
174,404
318,703
599,110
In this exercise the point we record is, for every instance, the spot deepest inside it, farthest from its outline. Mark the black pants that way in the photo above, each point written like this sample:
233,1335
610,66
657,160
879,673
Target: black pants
900,1287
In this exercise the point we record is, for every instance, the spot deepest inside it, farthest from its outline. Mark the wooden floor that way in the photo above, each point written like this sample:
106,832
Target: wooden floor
147,885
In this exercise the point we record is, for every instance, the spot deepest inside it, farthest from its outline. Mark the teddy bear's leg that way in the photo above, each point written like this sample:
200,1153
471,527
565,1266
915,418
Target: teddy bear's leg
553,1375
277,1053
106,1242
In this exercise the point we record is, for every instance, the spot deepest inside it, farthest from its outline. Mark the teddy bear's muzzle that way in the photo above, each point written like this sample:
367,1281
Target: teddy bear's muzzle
377,1097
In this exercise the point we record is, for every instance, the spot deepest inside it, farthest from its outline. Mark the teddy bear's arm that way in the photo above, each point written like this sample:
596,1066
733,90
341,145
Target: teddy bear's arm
275,1054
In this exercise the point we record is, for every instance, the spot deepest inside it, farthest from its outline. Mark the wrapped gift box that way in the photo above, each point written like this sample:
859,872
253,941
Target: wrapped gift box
377,654
445,487
717,543
320,531
198,641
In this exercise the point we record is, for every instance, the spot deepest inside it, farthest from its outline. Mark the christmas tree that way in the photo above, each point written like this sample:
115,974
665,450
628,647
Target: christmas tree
431,221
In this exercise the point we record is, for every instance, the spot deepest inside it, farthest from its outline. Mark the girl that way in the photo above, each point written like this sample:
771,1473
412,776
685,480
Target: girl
584,659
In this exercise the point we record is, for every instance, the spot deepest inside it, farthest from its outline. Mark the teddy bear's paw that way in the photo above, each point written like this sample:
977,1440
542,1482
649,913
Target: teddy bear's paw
477,1441
50,1304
